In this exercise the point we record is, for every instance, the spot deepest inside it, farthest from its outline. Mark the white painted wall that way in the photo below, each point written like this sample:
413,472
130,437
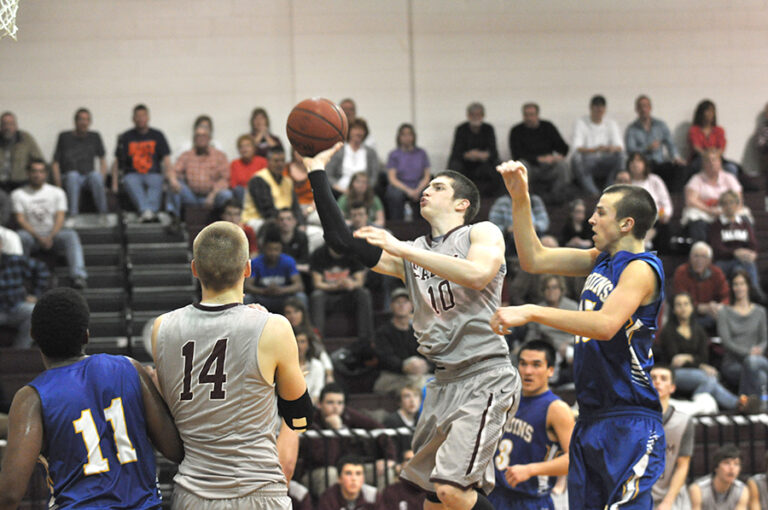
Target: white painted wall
402,60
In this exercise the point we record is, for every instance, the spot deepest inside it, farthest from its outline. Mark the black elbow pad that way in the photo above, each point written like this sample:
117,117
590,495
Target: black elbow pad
296,413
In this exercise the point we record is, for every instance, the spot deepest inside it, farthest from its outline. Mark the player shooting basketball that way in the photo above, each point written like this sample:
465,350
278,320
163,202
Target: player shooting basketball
454,277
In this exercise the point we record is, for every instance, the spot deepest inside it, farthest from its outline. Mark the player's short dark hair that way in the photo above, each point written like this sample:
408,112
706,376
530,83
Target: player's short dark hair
353,459
541,346
331,387
34,160
635,203
725,452
140,106
463,188
81,110
60,323
597,100
663,366
220,252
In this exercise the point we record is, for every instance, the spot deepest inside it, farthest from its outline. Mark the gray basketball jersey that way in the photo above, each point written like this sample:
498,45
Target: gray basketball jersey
675,425
762,487
207,366
452,323
727,501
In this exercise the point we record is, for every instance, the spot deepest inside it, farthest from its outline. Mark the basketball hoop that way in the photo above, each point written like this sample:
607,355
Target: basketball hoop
8,18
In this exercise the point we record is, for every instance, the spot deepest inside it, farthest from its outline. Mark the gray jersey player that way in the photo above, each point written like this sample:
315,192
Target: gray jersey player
721,490
758,490
218,365
454,277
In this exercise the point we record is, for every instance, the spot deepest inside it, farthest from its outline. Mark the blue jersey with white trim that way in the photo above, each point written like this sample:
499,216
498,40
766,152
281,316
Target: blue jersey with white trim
615,373
95,435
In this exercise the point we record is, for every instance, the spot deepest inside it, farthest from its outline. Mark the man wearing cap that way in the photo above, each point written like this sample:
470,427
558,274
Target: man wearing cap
395,346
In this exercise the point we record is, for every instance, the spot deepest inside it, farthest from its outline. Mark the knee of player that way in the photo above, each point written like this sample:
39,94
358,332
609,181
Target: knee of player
449,495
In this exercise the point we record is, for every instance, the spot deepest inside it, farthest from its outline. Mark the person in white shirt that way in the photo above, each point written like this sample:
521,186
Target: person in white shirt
599,148
40,210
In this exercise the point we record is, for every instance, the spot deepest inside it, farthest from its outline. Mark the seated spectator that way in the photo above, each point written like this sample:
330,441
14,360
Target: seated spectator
296,313
538,145
396,348
301,498
702,193
262,137
200,176
650,137
314,371
10,242
743,330
40,210
500,215
474,152
353,158
623,177
301,186
706,136
721,490
640,175
338,282
233,213
188,143
734,242
408,172
17,274
349,107
401,495
761,138
599,148
577,232
295,242
142,156
17,150
270,190
360,190
684,346
527,287
758,488
350,492
406,414
243,168
274,277
705,283
73,160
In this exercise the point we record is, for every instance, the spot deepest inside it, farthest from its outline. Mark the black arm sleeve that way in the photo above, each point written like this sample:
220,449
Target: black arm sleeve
335,230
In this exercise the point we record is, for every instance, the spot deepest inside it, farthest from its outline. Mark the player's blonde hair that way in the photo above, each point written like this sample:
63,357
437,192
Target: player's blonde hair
220,252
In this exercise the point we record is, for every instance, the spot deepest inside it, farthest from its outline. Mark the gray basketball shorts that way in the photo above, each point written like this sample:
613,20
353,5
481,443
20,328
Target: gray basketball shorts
461,424
272,497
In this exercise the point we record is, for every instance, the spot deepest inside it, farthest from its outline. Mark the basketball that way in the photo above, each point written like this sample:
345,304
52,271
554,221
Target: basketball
315,125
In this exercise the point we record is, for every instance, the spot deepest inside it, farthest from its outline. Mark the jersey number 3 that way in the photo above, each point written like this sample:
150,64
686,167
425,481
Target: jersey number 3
217,378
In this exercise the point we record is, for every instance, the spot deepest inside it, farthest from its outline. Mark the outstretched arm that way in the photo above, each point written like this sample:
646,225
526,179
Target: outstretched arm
534,257
25,441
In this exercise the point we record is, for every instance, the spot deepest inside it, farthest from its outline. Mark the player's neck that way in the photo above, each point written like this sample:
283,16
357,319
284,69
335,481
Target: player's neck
62,362
223,297
720,486
537,392
628,243
444,224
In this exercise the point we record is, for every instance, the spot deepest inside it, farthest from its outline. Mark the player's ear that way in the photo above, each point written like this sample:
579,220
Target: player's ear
194,269
627,224
87,337
246,269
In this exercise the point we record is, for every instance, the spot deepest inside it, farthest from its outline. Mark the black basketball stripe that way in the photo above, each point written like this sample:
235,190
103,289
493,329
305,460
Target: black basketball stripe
342,117
304,135
341,135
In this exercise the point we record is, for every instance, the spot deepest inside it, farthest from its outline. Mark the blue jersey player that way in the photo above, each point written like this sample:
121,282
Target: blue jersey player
90,417
617,448
534,448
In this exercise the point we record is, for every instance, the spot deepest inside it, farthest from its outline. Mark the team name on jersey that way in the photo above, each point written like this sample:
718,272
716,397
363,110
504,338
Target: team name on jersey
420,273
736,234
599,285
520,428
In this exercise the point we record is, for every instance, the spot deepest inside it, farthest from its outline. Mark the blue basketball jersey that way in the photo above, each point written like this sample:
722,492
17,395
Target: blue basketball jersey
95,434
525,440
615,374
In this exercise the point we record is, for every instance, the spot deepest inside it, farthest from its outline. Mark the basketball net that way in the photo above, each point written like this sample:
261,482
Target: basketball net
8,18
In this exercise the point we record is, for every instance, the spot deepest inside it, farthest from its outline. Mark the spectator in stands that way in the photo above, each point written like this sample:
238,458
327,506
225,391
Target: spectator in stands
262,137
526,287
721,490
350,492
298,173
743,330
669,490
399,361
408,172
73,159
19,273
577,232
623,177
474,152
10,242
360,190
200,176
758,489
243,168
301,498
350,110
706,284
734,242
314,371
40,211
233,213
702,193
761,137
295,242
17,149
338,282
296,313
142,156
270,190
650,137
274,277
401,495
538,144
599,148
405,415
500,215
355,157
200,121
706,136
684,346
640,175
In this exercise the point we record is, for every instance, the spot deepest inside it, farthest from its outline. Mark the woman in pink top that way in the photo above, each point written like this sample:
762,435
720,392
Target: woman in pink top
705,135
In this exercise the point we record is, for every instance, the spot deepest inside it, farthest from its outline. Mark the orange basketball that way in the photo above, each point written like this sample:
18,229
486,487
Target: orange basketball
315,125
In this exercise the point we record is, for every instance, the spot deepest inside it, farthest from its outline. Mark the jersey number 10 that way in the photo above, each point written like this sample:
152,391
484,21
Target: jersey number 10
443,296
